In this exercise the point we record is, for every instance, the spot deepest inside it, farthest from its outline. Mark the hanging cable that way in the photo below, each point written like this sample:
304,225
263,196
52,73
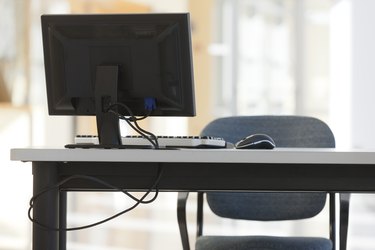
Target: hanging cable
142,200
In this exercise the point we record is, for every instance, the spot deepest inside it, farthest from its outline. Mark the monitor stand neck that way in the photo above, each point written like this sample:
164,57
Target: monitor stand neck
106,88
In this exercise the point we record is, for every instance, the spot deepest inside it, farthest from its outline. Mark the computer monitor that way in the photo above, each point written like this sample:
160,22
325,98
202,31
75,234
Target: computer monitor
93,62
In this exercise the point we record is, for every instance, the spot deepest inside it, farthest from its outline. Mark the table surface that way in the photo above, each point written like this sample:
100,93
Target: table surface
290,169
279,155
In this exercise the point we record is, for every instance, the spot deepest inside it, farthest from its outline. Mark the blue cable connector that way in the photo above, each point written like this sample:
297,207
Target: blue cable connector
150,103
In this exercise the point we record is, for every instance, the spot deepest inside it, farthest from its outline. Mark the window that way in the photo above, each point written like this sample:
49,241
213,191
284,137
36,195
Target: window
271,57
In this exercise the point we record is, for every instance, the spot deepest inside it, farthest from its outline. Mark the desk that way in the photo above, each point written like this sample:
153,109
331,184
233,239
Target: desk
188,170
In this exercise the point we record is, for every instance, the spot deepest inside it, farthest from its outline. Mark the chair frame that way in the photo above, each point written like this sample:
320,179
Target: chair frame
344,198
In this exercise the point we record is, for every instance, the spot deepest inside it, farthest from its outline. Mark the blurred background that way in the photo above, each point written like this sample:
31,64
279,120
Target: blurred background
251,57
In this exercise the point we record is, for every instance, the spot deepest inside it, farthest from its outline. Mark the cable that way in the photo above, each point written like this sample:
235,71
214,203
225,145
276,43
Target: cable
104,183
132,116
144,133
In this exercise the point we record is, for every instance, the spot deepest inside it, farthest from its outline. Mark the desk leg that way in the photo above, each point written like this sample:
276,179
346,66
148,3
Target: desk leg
63,213
46,207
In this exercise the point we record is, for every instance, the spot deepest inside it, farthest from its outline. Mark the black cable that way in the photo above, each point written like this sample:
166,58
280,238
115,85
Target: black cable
131,115
144,133
104,183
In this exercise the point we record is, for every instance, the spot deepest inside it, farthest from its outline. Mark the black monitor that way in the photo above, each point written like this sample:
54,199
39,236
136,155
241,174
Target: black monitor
141,61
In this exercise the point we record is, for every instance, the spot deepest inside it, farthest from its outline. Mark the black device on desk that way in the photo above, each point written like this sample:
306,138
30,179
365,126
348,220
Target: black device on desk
114,66
256,141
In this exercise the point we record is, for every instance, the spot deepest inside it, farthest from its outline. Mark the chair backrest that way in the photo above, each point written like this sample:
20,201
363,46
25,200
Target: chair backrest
287,131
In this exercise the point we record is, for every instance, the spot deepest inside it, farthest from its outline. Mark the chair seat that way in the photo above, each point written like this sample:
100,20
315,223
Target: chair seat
262,243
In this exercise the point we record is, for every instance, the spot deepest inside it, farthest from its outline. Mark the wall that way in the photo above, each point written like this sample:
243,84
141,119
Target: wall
202,29
352,73
363,74
352,102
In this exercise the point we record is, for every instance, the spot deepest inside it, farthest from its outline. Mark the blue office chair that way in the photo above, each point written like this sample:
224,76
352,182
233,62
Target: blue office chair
287,131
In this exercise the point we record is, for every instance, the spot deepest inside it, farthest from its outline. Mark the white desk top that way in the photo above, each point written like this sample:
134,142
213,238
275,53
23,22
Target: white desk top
280,155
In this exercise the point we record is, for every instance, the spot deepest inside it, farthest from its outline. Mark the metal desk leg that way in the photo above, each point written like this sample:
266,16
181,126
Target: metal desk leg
46,207
63,213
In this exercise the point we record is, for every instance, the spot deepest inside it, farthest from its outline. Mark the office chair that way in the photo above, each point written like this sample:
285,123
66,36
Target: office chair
287,131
